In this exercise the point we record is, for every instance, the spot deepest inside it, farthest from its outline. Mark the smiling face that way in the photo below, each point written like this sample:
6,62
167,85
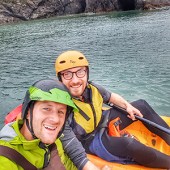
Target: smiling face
75,85
48,120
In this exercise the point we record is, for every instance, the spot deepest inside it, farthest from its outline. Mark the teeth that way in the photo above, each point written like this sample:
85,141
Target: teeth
76,86
49,127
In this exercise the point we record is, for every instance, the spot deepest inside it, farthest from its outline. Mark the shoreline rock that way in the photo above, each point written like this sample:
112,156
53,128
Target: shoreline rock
23,10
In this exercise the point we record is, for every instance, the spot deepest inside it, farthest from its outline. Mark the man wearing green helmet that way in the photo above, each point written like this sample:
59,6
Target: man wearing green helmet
33,142
91,122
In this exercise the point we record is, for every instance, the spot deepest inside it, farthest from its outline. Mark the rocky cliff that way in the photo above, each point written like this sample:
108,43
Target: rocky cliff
17,10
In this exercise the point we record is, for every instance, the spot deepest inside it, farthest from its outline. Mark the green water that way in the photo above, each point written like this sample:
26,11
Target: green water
129,53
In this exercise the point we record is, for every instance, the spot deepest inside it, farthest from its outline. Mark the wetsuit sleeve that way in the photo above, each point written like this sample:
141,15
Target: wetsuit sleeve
105,93
73,147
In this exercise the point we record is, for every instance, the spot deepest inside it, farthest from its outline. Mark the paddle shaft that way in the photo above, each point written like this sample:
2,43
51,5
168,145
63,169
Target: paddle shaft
144,120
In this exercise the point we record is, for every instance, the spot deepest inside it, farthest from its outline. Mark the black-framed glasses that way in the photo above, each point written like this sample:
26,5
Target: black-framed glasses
68,75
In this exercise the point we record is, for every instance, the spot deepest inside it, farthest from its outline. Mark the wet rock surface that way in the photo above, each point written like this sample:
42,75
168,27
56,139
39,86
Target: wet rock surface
23,10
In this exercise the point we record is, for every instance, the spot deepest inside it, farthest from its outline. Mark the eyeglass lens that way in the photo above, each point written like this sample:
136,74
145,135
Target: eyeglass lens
79,73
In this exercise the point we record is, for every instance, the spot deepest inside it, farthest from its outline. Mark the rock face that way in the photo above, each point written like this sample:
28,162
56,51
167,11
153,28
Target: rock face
153,4
17,10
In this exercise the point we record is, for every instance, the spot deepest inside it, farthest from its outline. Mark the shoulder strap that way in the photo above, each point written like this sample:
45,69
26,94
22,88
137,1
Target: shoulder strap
83,114
17,157
55,160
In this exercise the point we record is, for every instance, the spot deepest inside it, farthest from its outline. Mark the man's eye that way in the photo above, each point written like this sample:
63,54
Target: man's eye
80,70
67,73
61,112
46,108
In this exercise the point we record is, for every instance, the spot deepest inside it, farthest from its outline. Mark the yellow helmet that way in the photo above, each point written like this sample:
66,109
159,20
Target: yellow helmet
70,59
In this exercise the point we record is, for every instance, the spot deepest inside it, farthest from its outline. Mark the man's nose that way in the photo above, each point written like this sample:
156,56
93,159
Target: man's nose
55,116
75,78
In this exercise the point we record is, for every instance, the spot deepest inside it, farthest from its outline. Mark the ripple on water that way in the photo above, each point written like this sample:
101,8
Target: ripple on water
128,54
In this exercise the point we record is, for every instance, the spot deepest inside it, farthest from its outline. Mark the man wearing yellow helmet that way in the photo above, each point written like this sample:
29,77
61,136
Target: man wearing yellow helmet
90,122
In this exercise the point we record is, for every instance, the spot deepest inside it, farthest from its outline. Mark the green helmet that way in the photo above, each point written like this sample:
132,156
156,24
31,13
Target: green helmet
47,90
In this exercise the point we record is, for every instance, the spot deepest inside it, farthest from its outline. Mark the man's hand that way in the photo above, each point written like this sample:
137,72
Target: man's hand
121,102
106,168
90,166
133,111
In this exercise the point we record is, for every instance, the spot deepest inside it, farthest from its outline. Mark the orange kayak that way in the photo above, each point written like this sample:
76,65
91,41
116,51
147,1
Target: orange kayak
137,129
144,136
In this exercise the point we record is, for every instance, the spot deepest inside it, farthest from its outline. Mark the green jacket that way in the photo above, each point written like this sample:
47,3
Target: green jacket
10,136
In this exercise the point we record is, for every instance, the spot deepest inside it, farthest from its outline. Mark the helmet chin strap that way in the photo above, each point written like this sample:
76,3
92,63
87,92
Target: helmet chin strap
29,124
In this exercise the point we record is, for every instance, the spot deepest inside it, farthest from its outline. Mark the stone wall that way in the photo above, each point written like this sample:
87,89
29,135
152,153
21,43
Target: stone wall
23,10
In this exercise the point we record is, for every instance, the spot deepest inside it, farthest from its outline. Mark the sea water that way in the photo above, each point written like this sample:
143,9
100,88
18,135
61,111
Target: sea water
128,52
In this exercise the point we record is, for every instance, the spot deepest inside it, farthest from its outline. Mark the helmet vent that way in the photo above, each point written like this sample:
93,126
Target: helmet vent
70,59
81,58
61,62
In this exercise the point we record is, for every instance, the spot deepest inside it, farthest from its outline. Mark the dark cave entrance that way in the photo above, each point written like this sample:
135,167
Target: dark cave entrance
126,5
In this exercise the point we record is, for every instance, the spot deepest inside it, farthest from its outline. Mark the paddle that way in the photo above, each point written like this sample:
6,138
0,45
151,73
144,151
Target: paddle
143,119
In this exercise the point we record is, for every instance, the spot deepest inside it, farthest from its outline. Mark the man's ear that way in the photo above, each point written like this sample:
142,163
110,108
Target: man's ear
28,115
